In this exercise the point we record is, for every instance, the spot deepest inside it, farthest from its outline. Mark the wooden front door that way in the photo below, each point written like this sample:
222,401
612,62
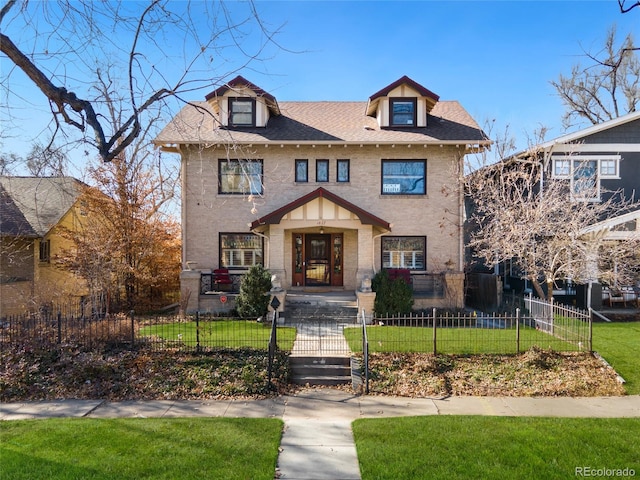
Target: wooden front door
317,259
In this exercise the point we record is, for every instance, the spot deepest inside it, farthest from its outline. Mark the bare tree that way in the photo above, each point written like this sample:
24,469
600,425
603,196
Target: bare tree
625,8
541,227
605,89
162,48
46,161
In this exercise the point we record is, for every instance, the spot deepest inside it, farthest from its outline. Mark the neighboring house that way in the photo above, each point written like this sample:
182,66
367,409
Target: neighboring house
32,212
323,194
598,161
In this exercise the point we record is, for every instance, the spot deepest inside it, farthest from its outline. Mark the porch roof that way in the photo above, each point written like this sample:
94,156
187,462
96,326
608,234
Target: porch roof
365,217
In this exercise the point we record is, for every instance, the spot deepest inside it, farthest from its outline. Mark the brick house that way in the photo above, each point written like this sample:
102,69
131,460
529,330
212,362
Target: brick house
323,194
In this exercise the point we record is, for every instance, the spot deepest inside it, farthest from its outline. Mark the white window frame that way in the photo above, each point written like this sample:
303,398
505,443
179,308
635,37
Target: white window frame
564,167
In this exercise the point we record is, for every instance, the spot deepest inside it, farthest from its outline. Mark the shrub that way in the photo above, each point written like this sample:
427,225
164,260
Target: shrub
253,301
392,296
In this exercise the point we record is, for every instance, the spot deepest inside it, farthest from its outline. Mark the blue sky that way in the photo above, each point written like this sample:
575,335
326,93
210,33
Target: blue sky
495,58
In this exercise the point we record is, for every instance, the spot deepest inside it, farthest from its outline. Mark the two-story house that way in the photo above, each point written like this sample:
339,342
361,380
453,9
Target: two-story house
323,194
33,213
597,162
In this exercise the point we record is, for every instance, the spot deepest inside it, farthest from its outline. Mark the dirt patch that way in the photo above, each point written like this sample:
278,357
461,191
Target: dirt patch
534,373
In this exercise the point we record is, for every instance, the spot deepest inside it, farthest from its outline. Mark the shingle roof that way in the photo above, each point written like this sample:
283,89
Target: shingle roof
323,122
31,206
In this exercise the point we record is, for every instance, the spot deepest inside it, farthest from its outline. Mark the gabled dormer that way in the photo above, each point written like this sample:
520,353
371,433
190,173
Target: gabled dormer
241,104
403,104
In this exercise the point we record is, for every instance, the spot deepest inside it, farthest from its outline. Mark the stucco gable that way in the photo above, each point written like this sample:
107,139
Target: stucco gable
365,217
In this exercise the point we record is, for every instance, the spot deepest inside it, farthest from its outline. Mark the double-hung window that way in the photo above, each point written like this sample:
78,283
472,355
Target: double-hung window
342,166
403,112
404,252
240,176
404,177
242,112
322,170
584,173
240,250
302,171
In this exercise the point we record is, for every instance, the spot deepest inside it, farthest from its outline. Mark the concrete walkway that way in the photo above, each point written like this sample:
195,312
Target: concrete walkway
317,442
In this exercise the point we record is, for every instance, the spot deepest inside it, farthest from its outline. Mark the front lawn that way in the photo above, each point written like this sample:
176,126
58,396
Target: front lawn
194,448
458,447
619,344
218,333
458,341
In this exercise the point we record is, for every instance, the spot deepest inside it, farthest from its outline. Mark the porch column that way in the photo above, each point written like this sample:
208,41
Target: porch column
276,257
365,254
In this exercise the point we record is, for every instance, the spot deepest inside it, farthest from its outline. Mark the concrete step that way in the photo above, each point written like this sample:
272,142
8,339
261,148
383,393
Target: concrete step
320,370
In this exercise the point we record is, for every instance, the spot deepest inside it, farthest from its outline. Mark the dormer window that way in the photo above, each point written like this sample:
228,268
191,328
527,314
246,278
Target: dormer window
403,112
242,112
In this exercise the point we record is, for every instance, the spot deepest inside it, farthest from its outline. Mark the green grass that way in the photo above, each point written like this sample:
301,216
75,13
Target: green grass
220,333
459,341
458,447
195,448
619,344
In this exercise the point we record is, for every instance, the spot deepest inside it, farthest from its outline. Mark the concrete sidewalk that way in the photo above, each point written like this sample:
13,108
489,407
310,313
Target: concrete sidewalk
317,442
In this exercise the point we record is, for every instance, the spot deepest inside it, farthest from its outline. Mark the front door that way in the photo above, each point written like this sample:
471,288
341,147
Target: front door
317,259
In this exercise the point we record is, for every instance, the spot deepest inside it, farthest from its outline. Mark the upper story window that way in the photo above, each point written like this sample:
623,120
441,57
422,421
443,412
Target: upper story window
302,171
404,177
322,170
45,251
585,172
403,112
342,166
242,112
240,176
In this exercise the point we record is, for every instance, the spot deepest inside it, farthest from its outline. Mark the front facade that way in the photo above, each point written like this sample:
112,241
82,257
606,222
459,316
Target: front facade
34,212
323,194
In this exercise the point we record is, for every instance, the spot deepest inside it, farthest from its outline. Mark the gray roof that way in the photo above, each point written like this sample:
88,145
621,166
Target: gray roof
31,206
323,122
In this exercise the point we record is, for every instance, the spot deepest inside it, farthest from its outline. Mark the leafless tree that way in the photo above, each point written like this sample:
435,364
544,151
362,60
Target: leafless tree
161,49
606,88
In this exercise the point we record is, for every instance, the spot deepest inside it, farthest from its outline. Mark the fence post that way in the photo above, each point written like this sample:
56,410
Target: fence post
133,328
198,331
59,327
435,335
273,346
590,330
517,330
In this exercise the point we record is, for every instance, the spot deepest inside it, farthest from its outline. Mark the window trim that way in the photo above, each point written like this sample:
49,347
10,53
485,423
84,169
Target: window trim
251,191
305,162
400,193
318,163
221,250
568,171
413,268
232,101
343,161
412,100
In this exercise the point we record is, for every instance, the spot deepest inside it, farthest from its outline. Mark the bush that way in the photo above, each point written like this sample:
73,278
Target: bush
253,301
392,296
